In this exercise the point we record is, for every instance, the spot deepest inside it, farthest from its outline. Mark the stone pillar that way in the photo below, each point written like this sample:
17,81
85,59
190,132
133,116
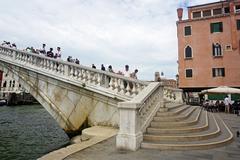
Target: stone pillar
130,135
66,70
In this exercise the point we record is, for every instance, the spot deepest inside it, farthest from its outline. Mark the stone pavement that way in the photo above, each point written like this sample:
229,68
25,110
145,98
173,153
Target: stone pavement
106,150
89,137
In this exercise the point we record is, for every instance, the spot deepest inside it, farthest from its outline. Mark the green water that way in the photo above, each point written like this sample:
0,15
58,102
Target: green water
28,132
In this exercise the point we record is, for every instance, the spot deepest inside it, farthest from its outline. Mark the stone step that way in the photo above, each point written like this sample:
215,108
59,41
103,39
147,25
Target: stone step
224,138
173,106
173,111
192,120
185,114
200,126
213,131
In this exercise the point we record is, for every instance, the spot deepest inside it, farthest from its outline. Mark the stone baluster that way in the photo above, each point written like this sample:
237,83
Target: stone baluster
84,75
134,89
62,69
76,73
111,84
45,63
99,79
87,76
66,70
122,87
71,72
94,78
55,67
41,62
116,84
79,74
128,89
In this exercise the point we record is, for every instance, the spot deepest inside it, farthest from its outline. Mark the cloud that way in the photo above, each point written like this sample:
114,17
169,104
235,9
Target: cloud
141,33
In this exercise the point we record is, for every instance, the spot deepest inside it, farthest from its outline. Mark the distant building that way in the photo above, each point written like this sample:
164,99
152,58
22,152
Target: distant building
208,46
167,82
8,85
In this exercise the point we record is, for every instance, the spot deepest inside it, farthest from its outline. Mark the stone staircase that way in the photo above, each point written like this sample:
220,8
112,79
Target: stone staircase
185,127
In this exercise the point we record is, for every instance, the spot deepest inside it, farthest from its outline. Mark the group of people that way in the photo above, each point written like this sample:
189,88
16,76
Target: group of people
57,55
125,73
70,59
225,105
8,44
43,51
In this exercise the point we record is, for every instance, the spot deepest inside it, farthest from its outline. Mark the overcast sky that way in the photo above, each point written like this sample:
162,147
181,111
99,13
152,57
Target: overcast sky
141,33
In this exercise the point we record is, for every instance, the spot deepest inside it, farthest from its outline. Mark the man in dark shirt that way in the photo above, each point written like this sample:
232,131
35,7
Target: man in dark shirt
50,53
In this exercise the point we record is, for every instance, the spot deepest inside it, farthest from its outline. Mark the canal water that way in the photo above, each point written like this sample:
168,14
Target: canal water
28,132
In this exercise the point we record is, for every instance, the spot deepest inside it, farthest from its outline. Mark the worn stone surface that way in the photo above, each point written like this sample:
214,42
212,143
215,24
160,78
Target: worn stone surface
70,105
91,136
106,150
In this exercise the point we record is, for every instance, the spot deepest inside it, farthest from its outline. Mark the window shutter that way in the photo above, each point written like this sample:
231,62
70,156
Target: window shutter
213,49
213,72
220,50
221,27
223,72
211,27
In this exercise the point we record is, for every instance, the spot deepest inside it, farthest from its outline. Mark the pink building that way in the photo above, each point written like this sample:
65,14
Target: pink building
208,46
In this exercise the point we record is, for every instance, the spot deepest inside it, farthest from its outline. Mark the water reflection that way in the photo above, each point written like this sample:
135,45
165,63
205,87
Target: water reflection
28,132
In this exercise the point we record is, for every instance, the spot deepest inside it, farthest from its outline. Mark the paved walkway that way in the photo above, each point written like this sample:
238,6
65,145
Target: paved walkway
106,150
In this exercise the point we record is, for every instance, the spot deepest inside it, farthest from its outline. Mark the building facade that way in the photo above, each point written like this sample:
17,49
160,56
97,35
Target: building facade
208,46
8,85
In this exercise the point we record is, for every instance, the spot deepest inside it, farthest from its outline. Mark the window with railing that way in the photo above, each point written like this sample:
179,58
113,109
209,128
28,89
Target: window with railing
196,14
217,11
207,13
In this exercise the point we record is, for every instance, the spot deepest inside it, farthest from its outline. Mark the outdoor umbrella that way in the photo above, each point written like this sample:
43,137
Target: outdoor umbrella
222,89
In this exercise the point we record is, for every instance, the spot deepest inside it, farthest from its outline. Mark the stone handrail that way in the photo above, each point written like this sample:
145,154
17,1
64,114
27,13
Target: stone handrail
115,84
173,94
136,115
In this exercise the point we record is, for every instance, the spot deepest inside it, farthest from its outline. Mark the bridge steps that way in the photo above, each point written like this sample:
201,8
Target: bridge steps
196,129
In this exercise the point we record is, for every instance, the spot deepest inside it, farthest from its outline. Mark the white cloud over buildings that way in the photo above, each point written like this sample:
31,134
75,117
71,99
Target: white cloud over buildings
141,33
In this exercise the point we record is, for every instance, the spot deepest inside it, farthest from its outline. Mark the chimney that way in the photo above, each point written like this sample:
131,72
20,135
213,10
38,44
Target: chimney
180,13
231,6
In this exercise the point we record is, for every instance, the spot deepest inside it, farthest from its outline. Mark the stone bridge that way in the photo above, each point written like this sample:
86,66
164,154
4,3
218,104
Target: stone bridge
75,95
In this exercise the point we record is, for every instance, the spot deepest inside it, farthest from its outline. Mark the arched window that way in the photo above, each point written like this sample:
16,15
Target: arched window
188,52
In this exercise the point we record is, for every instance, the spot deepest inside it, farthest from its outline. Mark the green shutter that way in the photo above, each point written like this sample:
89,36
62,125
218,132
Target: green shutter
211,27
220,27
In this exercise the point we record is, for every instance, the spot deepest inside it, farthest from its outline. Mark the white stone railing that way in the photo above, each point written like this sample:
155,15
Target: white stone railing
86,76
136,115
173,95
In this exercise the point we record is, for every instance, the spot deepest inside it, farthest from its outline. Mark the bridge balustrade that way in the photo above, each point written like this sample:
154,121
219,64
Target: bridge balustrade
114,83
